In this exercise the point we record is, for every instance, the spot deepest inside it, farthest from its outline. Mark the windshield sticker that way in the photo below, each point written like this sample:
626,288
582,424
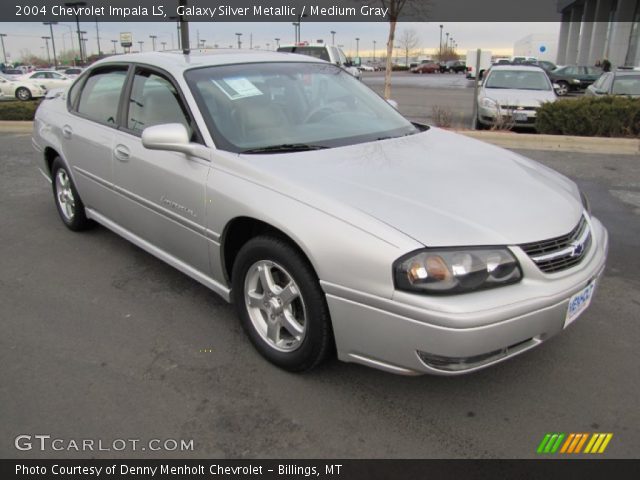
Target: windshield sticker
236,88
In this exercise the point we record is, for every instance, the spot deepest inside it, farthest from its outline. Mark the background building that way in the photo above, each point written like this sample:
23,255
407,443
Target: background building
584,41
543,47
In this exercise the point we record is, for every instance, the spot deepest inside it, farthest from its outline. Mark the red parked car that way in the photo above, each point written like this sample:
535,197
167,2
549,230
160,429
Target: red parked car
426,68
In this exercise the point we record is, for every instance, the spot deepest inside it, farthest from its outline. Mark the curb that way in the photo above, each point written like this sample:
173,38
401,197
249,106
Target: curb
562,143
523,141
15,126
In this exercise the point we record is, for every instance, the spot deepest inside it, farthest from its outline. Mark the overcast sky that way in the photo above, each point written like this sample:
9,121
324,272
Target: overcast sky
498,37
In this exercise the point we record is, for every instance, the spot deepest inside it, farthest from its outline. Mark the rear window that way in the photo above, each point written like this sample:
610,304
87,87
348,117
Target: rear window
626,85
100,95
315,52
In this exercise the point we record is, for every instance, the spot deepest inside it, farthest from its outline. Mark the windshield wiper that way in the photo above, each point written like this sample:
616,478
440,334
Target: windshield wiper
285,147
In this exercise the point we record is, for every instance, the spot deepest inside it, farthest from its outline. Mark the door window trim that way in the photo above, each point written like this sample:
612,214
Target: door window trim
73,109
124,101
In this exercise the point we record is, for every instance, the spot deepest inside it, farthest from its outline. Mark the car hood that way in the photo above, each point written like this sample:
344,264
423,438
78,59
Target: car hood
525,98
439,188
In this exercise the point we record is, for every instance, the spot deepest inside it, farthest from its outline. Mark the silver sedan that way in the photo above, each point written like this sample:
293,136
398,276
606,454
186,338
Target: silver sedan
331,222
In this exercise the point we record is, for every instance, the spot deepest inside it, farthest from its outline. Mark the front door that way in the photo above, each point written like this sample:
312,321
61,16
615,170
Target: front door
161,194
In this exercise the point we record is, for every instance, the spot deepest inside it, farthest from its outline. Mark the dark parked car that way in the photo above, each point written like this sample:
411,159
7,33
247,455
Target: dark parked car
626,83
426,68
455,66
572,78
546,65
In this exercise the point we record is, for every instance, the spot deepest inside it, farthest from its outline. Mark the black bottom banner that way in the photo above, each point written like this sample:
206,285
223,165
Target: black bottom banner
331,469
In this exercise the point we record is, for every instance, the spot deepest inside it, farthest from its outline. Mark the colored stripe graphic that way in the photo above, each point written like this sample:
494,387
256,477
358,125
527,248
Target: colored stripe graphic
598,442
550,443
573,443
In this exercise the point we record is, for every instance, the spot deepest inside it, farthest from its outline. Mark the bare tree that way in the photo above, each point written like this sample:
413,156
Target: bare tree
408,40
395,8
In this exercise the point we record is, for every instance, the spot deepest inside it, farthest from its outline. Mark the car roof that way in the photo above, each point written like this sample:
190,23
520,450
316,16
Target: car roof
519,68
177,61
627,73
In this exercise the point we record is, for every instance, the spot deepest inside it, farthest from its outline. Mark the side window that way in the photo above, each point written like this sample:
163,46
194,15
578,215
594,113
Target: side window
38,75
57,76
154,101
101,94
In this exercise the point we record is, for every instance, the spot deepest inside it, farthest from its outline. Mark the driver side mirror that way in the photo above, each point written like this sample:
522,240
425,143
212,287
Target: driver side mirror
172,137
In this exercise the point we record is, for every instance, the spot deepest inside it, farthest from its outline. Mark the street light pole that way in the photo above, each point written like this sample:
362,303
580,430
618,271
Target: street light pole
164,46
46,40
141,42
357,47
153,41
115,42
333,37
239,41
374,50
4,52
441,42
78,4
98,37
277,42
446,42
53,42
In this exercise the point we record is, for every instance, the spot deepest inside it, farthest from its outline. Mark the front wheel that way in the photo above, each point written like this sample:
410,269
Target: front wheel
23,94
563,89
70,207
281,305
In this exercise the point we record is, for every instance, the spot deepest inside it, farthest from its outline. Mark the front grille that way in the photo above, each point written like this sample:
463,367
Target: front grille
516,108
562,252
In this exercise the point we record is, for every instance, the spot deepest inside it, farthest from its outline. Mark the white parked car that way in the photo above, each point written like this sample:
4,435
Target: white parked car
50,79
512,94
20,90
366,68
332,223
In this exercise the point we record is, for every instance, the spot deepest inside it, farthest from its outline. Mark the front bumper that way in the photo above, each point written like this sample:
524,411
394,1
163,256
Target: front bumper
417,334
517,118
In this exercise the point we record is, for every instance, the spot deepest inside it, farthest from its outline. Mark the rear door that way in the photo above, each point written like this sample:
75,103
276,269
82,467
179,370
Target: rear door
87,135
161,193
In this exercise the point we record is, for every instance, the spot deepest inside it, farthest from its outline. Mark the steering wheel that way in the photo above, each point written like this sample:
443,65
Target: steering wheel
320,112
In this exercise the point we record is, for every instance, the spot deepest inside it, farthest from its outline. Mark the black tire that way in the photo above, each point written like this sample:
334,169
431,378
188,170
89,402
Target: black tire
78,221
317,342
564,88
23,93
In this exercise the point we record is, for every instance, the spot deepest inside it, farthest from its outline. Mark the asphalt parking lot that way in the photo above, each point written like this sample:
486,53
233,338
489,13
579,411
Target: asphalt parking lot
102,341
417,95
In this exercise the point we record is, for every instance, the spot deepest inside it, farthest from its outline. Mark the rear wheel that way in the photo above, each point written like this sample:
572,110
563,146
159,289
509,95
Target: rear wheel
23,94
281,305
70,207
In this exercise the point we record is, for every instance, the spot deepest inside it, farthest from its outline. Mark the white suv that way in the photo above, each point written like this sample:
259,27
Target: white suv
328,53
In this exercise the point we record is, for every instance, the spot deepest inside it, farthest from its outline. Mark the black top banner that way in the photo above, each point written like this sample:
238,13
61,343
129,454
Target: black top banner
304,10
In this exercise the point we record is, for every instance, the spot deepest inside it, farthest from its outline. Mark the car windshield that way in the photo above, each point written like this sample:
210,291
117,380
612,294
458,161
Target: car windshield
293,105
518,80
627,85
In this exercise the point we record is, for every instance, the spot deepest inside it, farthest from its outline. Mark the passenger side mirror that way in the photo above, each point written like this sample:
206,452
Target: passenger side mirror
173,137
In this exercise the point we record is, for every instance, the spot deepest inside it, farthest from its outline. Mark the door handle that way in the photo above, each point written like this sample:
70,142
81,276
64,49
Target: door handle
121,153
67,131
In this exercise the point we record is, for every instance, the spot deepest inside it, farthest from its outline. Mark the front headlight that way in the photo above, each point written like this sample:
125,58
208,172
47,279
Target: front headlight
575,80
460,270
488,103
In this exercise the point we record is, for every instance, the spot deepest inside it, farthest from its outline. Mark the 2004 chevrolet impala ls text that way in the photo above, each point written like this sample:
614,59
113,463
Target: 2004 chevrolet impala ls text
330,221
